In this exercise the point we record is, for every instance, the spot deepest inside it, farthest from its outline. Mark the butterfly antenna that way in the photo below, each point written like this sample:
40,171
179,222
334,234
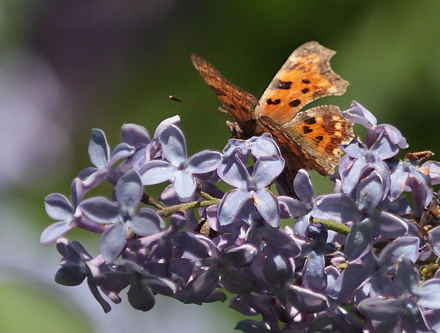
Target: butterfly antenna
219,111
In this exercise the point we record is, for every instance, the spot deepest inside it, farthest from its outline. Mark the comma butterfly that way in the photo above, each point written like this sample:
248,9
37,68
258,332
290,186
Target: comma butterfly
308,139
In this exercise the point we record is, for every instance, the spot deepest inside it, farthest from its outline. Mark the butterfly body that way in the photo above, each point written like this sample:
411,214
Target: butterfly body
308,139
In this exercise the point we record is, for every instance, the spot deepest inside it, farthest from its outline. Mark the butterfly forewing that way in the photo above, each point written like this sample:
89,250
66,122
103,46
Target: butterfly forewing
237,102
304,77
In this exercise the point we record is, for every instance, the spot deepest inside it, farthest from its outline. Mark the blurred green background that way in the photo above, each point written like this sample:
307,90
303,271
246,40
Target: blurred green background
69,66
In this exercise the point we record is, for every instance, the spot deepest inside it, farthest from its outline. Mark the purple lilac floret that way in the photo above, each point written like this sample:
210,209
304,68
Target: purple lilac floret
362,258
176,166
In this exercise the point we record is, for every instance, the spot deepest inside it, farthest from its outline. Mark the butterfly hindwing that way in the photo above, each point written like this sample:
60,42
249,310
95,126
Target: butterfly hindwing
320,131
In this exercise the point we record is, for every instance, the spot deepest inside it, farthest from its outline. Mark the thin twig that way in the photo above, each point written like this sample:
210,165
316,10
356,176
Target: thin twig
167,211
338,227
146,199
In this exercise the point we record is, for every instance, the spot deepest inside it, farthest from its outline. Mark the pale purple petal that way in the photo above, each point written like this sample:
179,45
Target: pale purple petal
393,134
370,192
77,192
91,177
173,145
384,148
100,210
293,207
398,179
58,207
120,151
434,171
406,278
302,185
55,231
336,207
146,222
174,120
129,191
301,224
236,146
350,177
307,300
360,115
113,241
388,226
358,241
266,169
434,239
267,205
230,205
264,146
429,295
313,276
156,172
382,309
134,135
233,172
355,149
404,246
204,162
184,185
99,151
422,194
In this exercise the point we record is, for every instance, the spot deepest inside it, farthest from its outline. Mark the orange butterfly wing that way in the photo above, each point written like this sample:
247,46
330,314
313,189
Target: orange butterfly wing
237,102
312,138
304,77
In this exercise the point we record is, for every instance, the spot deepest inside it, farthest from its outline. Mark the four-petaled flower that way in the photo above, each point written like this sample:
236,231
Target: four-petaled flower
122,216
178,168
249,187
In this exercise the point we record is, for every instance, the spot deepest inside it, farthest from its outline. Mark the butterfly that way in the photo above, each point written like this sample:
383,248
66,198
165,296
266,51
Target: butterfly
309,139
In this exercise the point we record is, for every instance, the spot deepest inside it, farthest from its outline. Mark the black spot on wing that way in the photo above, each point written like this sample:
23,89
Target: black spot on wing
295,102
306,130
283,84
269,101
310,121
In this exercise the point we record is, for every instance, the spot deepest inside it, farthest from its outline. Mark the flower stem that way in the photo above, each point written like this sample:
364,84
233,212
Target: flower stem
207,196
338,227
167,211
146,199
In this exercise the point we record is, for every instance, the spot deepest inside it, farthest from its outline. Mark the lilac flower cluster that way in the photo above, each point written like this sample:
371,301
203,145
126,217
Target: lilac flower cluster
364,257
